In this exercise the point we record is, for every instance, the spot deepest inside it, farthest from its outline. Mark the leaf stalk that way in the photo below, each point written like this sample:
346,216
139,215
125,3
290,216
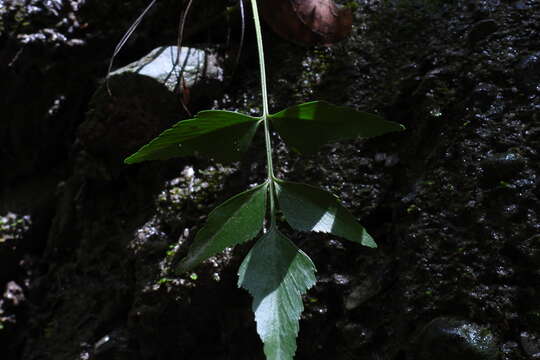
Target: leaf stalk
264,91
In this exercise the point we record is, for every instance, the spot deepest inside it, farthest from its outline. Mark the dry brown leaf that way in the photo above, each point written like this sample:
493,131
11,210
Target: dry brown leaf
308,22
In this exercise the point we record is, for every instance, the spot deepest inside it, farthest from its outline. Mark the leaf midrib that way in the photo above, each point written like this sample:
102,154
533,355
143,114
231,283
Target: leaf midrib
229,218
177,141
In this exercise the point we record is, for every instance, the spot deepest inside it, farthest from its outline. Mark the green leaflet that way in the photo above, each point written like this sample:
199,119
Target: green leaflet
237,220
276,273
308,126
307,208
218,134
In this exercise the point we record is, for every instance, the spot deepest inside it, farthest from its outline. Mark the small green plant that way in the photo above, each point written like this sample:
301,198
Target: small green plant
275,272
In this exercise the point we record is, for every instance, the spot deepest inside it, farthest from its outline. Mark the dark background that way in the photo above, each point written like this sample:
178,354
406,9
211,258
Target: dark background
86,243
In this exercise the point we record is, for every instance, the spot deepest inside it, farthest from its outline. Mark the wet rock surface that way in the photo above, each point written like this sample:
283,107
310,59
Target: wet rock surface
453,202
447,338
530,344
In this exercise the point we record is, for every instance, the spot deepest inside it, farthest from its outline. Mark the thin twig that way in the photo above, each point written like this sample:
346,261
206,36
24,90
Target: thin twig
123,41
242,16
180,39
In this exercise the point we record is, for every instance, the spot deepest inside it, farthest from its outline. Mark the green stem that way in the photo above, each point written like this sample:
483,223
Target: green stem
269,165
260,48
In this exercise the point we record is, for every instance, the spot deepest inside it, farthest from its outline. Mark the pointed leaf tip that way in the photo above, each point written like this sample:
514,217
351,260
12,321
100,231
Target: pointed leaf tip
310,125
276,273
307,208
237,220
129,160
